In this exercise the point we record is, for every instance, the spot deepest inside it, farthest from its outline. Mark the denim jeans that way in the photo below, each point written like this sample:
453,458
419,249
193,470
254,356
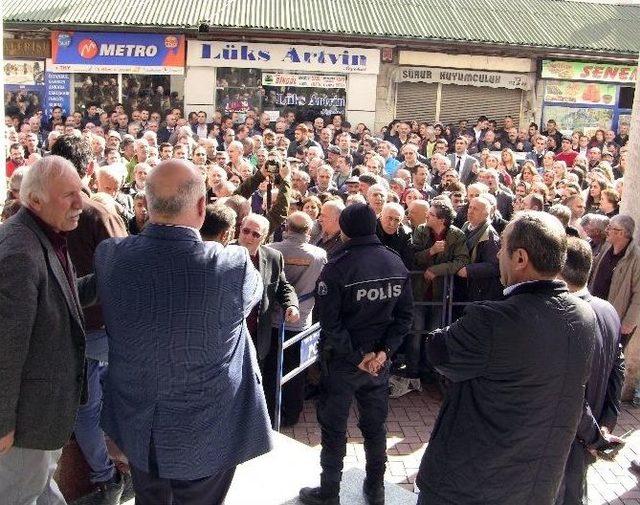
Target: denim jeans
87,429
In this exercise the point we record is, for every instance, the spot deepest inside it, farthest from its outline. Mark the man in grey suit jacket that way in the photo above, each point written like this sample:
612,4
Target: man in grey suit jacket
42,333
183,398
463,162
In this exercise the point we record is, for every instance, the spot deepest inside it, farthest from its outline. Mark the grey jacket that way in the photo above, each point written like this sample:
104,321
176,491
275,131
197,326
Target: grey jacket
41,337
303,263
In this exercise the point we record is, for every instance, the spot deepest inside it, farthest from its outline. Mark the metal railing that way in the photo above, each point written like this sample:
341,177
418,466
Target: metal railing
310,337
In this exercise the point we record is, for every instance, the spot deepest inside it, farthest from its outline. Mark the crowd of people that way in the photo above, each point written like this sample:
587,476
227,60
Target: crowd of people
442,196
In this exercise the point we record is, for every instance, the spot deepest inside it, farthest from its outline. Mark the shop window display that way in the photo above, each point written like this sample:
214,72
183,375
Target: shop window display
95,88
309,95
586,119
151,92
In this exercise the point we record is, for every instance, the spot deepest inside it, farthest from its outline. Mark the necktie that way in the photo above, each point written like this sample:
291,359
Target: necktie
458,164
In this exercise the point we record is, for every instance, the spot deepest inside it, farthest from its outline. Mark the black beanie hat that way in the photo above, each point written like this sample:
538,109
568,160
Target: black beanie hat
358,220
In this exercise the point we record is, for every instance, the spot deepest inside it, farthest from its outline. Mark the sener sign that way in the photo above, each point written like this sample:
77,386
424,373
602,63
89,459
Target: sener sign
106,53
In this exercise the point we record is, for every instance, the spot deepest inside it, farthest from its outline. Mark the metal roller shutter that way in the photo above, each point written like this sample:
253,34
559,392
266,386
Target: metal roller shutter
470,102
417,101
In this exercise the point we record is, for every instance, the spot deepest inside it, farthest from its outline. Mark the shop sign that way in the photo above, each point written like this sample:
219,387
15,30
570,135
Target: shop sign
26,48
112,53
57,92
580,92
304,80
463,77
24,72
283,57
581,71
326,104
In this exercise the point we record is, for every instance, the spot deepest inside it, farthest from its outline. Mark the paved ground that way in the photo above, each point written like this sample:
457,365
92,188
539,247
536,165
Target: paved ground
412,417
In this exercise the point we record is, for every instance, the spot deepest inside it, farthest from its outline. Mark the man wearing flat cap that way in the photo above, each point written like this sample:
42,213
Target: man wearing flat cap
364,305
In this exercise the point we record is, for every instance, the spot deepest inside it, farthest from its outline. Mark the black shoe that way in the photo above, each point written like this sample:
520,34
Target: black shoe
373,494
111,491
315,496
106,493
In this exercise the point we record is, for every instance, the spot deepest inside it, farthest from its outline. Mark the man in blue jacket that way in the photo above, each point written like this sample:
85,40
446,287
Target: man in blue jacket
602,399
183,398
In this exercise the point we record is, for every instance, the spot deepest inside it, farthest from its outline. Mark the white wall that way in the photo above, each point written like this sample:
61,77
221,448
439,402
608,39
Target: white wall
467,61
361,99
199,89
385,96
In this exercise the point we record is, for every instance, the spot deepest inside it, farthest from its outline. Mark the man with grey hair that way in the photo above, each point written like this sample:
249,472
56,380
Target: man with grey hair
109,179
303,263
141,150
182,340
517,370
595,228
616,274
329,239
42,335
482,275
392,232
324,180
254,231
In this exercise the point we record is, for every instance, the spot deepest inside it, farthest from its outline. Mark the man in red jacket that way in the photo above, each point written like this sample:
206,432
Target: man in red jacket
566,154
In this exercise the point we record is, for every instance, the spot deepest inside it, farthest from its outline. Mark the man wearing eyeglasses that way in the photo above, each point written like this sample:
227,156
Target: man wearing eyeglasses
270,264
616,275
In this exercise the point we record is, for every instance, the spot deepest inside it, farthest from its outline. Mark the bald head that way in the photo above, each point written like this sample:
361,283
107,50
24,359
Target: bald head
299,222
175,192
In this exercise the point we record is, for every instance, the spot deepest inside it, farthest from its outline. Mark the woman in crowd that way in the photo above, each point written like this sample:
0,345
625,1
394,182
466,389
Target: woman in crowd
596,187
311,205
609,202
597,140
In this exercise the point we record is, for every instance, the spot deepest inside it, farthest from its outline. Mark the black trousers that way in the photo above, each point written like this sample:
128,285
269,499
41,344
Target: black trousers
340,383
150,489
573,487
293,391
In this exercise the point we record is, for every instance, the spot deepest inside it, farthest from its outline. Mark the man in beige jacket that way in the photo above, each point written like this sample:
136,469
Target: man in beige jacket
616,273
616,277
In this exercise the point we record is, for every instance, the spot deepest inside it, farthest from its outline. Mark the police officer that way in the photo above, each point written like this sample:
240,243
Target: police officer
364,304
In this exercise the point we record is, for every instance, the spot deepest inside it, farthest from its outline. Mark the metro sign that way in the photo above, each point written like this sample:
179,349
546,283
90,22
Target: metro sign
89,49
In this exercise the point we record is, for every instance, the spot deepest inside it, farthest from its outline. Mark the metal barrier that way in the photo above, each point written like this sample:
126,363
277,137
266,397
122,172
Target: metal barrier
310,338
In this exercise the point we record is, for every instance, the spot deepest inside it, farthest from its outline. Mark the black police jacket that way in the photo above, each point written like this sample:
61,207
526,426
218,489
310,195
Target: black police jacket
364,300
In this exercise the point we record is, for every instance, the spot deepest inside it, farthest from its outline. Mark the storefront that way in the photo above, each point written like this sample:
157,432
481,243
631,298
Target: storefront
449,95
448,88
309,80
23,75
587,96
139,70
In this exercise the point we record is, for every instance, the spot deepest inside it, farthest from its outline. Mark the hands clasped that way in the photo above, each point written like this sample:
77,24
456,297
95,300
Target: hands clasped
373,362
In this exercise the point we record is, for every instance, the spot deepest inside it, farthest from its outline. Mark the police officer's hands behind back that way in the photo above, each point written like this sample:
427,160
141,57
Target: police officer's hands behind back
372,363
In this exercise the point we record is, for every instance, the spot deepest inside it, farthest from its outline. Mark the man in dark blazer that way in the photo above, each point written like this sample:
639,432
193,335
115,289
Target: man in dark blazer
517,370
482,274
96,223
182,397
463,162
604,386
42,333
270,263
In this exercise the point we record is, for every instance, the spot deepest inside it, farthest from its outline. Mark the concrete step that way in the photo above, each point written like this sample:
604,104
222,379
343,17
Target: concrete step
276,478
